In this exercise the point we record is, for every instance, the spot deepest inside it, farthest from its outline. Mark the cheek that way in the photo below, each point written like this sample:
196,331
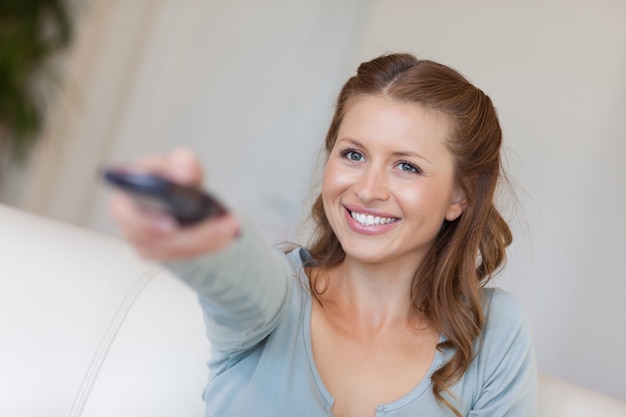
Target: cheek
428,203
327,189
335,184
326,185
333,181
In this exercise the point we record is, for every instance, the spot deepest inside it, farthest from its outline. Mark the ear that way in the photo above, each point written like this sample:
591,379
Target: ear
457,205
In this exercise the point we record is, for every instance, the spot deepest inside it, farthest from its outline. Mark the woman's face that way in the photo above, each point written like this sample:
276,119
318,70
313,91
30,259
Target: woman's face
388,183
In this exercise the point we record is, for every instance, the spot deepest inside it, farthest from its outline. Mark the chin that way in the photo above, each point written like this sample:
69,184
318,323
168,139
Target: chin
372,254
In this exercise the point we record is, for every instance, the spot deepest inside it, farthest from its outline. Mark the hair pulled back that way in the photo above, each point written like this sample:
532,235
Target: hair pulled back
448,287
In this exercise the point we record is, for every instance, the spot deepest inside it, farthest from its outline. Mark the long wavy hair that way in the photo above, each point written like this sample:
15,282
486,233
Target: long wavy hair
448,287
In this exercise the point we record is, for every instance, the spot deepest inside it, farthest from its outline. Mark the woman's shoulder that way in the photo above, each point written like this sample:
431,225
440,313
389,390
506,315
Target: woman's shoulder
299,258
504,369
506,321
502,307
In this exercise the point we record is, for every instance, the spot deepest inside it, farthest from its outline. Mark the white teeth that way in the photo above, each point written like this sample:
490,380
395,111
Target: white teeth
369,220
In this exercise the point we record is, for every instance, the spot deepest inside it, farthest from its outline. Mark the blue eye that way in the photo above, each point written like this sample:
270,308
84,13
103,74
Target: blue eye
409,167
352,155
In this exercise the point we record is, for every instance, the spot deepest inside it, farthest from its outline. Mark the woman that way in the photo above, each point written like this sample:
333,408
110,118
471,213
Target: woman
386,312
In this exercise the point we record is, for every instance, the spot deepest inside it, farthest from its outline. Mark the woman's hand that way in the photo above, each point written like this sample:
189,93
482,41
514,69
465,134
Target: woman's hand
157,236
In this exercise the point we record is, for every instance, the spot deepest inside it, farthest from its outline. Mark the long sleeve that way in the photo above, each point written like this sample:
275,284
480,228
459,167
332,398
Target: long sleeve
506,363
243,290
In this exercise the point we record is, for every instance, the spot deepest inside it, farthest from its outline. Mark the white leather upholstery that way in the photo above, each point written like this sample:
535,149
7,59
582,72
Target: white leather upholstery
88,330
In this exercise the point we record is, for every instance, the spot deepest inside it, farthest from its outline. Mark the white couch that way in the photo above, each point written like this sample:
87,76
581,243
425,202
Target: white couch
89,330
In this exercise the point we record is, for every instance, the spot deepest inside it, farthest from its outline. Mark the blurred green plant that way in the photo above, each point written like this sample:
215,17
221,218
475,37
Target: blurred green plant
32,32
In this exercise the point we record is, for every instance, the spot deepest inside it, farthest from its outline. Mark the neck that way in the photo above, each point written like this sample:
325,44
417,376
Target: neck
374,299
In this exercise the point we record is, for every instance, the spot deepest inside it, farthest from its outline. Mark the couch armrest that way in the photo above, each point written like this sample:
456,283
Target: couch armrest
87,329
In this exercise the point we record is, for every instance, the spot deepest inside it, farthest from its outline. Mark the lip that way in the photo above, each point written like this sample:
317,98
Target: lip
368,230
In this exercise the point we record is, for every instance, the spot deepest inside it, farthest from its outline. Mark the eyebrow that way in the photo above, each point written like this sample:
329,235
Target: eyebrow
410,154
399,154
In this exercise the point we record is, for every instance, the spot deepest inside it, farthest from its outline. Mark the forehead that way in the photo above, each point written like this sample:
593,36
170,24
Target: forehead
392,120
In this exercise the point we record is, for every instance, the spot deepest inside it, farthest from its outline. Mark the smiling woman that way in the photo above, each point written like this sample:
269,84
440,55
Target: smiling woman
416,142
385,313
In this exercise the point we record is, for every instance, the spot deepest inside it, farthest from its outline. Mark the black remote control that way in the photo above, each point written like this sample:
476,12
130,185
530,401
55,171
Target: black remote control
186,204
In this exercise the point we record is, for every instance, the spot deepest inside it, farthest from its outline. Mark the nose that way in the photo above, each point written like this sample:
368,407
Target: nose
372,185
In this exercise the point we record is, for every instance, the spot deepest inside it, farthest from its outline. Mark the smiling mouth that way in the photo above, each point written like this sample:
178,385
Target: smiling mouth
370,220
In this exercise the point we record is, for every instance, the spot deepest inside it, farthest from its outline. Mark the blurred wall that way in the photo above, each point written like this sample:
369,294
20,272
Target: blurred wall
250,86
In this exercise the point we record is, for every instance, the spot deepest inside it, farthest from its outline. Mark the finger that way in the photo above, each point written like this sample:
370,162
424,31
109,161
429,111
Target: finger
184,167
188,242
139,226
180,165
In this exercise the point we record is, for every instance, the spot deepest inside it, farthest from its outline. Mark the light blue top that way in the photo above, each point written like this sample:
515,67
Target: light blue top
257,308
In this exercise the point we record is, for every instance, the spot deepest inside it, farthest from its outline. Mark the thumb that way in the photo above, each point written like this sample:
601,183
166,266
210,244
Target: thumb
184,167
